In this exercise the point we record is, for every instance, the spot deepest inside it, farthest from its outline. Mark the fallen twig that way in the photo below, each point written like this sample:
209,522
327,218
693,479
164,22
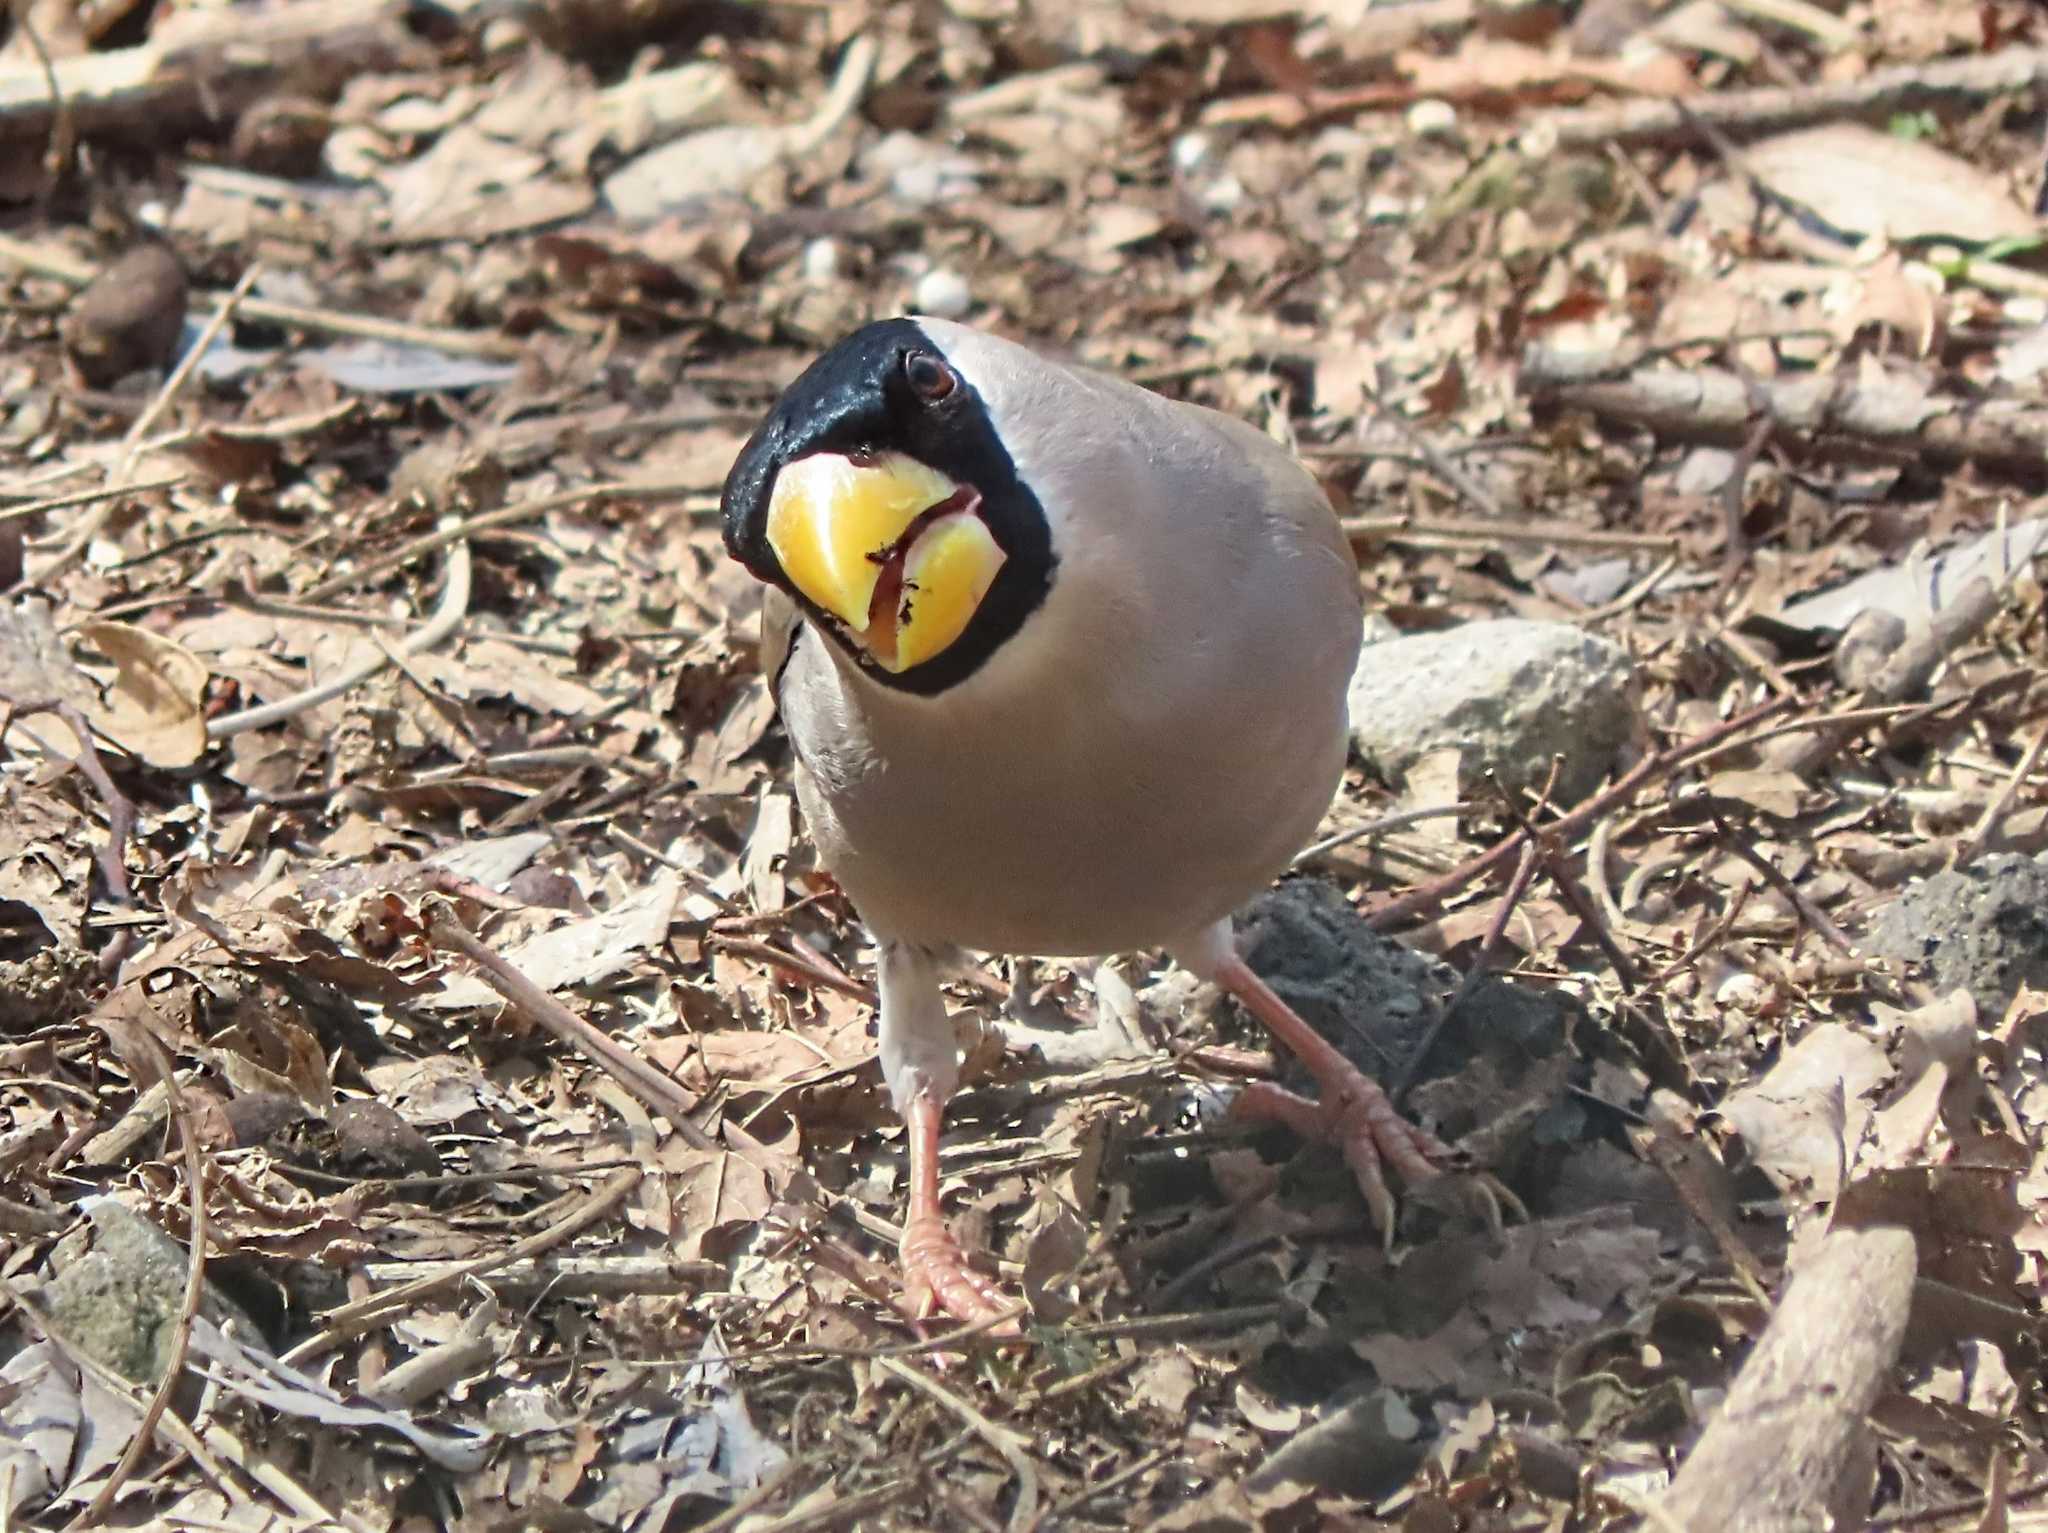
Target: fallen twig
62,267
1482,967
1780,1452
1822,924
352,1319
451,531
579,1277
1846,416
208,1445
1010,1444
446,620
94,1516
1980,835
1905,673
1970,77
1429,896
1480,533
203,66
650,1085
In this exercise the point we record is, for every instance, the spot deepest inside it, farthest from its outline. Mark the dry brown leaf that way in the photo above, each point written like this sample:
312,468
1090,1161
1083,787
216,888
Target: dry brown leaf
155,708
1907,302
1865,183
1805,1118
583,952
714,1193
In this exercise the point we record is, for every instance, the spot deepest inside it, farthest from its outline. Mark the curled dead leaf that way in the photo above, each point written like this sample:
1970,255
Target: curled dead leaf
154,708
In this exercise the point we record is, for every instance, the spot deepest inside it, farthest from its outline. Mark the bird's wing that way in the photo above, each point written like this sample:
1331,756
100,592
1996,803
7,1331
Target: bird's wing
1293,493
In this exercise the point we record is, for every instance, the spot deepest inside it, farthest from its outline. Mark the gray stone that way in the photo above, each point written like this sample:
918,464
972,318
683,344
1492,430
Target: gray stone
1509,694
1364,1444
1983,928
121,1300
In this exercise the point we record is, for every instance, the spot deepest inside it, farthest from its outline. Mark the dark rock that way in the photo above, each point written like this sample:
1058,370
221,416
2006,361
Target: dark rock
1365,1445
1983,928
1376,1000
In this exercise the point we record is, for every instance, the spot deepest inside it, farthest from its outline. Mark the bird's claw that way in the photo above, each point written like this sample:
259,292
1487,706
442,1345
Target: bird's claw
938,1278
1355,1114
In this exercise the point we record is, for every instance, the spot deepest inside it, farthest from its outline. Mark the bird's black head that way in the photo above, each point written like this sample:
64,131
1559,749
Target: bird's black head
879,494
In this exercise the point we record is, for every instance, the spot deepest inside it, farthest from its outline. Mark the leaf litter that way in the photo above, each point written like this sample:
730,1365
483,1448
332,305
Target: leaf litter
391,617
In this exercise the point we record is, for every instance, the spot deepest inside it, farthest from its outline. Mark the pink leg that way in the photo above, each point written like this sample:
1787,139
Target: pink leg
935,1270
1352,1113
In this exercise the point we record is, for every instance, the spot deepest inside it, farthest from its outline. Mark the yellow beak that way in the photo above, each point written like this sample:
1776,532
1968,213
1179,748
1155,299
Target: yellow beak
859,540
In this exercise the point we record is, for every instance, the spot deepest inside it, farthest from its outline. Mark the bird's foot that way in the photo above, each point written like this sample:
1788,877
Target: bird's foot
938,1277
1355,1114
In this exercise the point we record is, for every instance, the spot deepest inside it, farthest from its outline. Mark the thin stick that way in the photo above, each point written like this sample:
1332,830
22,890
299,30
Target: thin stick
840,1510
1776,877
57,264
815,973
1005,1441
201,1445
1974,843
62,144
353,1319
1439,461
1088,1493
1432,894
1380,827
452,531
131,444
1635,593
89,497
78,538
447,619
1941,1511
650,1085
1395,528
1482,967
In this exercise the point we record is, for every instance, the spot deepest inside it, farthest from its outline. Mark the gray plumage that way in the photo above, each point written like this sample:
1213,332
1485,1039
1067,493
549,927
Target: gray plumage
1155,742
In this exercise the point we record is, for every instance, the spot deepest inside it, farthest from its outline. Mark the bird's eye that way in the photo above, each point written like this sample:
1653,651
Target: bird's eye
929,378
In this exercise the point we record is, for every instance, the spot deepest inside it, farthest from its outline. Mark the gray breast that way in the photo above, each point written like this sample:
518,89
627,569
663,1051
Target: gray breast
1076,817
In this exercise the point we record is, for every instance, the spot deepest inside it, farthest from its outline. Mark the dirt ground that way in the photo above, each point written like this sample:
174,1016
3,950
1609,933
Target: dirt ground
438,1085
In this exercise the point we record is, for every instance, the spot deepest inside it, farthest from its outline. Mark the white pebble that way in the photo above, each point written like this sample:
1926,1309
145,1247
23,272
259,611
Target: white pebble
1191,152
1431,117
502,34
821,260
943,294
1741,991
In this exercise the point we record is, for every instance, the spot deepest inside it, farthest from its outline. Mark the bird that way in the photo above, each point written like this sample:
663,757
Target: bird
1063,665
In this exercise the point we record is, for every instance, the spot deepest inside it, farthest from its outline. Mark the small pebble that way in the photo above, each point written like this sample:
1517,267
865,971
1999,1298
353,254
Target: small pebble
505,34
943,294
1191,152
1224,194
821,261
1429,118
1741,991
